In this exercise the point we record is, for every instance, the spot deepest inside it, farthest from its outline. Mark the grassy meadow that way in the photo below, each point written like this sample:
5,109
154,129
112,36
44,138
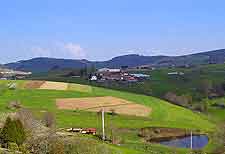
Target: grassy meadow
163,113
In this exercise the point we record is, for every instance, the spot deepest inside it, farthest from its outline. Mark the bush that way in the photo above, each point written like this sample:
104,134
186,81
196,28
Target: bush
23,149
13,146
56,146
14,105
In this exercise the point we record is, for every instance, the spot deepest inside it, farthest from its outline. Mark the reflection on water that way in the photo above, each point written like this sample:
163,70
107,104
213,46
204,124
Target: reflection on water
198,142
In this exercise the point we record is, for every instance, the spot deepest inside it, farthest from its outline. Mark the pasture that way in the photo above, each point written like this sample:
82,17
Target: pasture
162,113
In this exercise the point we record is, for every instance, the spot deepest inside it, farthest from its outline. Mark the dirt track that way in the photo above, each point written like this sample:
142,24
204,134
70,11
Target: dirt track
33,84
109,104
54,85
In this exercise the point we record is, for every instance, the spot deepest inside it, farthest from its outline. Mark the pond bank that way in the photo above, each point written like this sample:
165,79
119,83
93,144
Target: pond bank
174,137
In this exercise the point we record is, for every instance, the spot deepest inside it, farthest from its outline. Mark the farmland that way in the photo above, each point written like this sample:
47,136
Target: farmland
163,114
110,104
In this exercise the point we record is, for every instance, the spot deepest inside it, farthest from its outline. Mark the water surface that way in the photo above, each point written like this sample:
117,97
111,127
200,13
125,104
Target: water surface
198,142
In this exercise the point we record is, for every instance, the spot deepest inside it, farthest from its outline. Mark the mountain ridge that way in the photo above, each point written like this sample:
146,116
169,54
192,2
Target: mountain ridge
44,64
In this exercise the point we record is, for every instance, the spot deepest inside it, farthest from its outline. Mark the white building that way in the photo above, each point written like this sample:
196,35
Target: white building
102,70
94,78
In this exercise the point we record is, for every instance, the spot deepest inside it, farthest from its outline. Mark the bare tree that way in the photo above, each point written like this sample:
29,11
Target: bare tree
49,119
206,87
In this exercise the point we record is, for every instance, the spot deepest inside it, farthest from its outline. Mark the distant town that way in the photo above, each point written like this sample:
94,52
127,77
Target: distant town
7,74
121,74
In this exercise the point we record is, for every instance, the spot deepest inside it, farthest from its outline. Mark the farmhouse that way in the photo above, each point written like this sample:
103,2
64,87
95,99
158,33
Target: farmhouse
110,74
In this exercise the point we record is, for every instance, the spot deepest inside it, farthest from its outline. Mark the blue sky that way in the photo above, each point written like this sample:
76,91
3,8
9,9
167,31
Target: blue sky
102,29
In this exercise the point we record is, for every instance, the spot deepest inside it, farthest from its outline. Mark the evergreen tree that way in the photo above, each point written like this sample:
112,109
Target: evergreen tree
21,134
13,131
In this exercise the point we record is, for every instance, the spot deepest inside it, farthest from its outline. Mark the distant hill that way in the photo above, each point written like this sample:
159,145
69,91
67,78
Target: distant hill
46,64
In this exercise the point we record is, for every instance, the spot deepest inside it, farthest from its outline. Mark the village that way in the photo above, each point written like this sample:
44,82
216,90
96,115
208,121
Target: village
117,74
8,74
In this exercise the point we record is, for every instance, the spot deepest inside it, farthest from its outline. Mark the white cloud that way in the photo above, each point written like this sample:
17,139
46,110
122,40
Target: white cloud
40,52
59,50
75,50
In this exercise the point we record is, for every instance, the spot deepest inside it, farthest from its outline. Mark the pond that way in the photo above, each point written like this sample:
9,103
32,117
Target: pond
198,142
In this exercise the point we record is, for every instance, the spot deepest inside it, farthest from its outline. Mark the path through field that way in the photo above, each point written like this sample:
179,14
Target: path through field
54,85
33,84
109,104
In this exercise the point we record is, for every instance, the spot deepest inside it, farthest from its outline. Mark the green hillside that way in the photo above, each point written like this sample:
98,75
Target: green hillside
163,113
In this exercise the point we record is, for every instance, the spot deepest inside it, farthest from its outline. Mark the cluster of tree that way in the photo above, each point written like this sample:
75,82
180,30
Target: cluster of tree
207,90
40,137
21,129
211,90
187,102
82,72
183,100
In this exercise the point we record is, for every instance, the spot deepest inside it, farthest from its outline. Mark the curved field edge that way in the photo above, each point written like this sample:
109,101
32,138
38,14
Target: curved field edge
163,114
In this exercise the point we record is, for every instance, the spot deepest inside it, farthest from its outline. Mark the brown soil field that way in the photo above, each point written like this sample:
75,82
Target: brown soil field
33,84
95,104
54,85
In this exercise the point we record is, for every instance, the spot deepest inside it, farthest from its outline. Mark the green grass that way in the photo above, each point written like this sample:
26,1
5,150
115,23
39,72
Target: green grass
217,114
163,113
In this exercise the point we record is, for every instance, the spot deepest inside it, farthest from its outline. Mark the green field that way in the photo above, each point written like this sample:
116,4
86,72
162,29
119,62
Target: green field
163,113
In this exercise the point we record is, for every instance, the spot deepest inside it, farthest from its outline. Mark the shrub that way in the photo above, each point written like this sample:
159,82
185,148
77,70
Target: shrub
13,146
23,149
56,146
14,105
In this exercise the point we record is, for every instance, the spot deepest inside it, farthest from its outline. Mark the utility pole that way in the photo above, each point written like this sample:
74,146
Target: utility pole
191,141
103,125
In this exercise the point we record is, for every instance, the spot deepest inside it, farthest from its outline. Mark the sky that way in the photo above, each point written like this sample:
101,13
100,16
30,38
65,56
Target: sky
102,29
